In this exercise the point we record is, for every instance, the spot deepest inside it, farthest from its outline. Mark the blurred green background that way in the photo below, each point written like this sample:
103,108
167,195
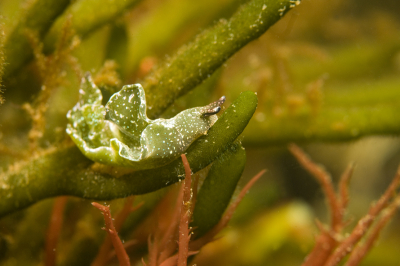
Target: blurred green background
327,76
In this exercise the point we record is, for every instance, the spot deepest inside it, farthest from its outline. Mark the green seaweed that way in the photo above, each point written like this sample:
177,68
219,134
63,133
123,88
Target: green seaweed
197,60
43,177
217,189
37,19
151,35
348,113
82,22
310,84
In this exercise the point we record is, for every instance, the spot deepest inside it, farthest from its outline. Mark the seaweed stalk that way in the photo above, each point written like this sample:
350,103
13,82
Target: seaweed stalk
196,61
64,171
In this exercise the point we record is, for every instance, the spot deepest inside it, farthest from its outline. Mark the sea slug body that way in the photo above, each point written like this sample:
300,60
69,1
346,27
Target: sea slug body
120,133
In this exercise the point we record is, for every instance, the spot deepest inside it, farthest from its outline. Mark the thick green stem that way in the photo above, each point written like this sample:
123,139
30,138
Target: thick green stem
39,178
65,171
86,16
196,61
217,189
152,35
38,19
346,113
359,60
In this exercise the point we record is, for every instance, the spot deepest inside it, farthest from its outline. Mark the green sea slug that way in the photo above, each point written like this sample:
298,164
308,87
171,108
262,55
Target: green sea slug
120,133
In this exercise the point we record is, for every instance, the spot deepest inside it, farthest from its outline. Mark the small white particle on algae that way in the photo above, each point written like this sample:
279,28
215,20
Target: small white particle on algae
281,10
264,7
295,2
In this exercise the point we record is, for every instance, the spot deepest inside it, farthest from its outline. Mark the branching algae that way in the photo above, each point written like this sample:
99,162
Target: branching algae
120,133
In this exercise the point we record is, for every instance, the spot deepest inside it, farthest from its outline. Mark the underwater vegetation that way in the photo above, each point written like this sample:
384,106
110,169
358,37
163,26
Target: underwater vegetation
177,120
